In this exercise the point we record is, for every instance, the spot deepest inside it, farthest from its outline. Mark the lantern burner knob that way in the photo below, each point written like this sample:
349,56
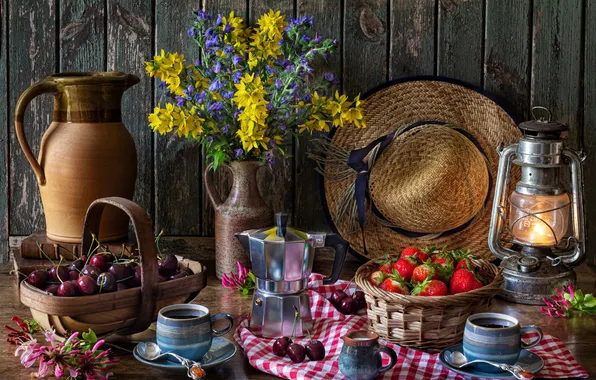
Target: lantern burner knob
527,264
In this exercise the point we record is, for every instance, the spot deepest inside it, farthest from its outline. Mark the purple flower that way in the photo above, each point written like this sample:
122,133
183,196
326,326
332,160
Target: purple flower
328,76
192,32
318,39
202,16
197,62
180,101
215,106
269,157
306,98
335,42
238,153
228,94
226,128
269,106
290,68
189,90
278,83
209,138
162,84
272,143
306,38
200,98
217,67
212,42
303,20
281,42
236,59
282,127
219,20
228,49
236,113
168,93
229,28
216,85
236,76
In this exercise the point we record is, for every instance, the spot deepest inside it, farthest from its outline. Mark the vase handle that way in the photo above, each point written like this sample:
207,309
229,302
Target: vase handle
26,97
210,186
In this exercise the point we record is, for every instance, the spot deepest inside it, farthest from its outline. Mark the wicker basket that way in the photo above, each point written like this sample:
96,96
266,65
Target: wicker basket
425,322
123,312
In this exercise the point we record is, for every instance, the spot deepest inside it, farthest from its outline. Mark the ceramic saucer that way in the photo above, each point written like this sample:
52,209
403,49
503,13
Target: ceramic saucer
221,351
528,360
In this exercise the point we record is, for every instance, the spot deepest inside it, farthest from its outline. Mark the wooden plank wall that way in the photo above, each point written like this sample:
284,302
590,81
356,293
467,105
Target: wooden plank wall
526,52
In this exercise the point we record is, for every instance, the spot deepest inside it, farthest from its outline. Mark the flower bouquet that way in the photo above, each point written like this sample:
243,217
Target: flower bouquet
249,88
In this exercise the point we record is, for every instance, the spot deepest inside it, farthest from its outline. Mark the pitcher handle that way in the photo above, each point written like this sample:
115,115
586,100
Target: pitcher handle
392,358
340,246
210,187
27,96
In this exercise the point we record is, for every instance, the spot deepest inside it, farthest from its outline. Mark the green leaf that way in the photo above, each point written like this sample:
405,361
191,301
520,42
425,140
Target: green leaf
589,301
90,337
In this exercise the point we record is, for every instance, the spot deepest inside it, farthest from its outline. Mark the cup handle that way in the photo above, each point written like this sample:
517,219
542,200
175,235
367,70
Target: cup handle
392,358
224,330
527,329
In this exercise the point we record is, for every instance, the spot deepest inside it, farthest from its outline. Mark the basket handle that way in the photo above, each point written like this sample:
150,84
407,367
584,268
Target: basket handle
143,228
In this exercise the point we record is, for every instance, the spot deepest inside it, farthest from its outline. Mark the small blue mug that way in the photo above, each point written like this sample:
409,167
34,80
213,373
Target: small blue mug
187,330
495,337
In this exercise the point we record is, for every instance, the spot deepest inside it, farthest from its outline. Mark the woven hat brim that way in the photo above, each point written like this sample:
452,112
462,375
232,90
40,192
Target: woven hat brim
407,102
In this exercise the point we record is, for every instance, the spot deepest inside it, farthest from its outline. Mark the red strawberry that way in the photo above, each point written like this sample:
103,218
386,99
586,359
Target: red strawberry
431,288
469,265
416,252
385,264
376,278
464,280
405,267
424,271
395,284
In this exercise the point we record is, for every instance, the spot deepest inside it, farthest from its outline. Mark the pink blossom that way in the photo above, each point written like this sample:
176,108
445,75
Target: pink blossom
557,306
242,280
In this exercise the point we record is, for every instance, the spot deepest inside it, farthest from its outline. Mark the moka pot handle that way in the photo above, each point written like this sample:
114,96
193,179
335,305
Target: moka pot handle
42,87
341,247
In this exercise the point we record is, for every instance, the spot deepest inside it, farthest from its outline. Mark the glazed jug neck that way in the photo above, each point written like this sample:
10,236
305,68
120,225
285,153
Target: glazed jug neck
90,97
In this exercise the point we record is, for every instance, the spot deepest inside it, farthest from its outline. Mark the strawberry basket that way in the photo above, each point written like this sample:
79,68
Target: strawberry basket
428,323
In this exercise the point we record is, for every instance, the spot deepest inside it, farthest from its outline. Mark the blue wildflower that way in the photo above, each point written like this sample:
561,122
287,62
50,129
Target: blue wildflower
318,39
189,90
228,49
306,98
216,85
180,101
278,83
202,16
290,68
281,42
219,20
197,62
217,67
236,113
200,98
162,84
306,38
226,128
229,28
236,59
215,106
238,153
282,127
236,77
209,138
328,76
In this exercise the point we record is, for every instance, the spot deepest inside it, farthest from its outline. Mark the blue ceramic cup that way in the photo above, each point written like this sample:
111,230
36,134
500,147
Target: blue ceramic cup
495,337
187,330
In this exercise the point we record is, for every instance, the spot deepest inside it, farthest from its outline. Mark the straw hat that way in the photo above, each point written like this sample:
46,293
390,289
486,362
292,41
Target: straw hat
421,174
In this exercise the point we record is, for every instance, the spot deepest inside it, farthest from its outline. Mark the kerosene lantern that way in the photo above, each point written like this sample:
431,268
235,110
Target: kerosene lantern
538,230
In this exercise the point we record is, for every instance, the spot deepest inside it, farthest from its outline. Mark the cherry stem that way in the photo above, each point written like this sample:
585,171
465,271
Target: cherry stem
157,238
43,253
296,315
19,272
348,285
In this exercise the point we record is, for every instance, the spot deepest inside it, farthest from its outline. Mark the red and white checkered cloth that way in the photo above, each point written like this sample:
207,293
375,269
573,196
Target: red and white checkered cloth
329,325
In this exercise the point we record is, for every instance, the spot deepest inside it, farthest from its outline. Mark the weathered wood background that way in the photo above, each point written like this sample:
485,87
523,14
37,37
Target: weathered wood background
527,52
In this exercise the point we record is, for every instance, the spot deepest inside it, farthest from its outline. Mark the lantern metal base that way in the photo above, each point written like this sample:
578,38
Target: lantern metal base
531,287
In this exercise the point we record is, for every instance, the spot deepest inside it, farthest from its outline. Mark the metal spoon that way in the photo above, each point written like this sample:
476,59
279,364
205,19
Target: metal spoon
151,351
459,360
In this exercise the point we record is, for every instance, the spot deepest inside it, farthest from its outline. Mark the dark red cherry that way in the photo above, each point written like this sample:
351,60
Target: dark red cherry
76,265
348,306
91,271
337,296
106,283
315,350
280,346
59,273
296,352
52,289
100,261
168,266
73,275
358,296
38,278
67,289
87,285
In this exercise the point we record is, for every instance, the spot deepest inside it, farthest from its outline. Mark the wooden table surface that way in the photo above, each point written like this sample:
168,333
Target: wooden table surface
578,333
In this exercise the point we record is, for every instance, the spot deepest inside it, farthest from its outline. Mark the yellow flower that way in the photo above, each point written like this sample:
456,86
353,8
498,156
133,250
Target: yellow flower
188,123
161,120
237,37
272,24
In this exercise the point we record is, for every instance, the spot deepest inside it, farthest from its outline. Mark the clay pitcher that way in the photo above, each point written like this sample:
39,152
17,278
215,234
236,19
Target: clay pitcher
85,154
244,209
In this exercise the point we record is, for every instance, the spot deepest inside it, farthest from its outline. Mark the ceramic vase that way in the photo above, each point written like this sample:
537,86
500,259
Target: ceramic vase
85,154
243,209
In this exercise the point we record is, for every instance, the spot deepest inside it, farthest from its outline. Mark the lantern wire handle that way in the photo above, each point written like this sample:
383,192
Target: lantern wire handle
542,119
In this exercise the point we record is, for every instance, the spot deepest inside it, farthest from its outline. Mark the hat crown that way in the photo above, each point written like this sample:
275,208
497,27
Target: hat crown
431,179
